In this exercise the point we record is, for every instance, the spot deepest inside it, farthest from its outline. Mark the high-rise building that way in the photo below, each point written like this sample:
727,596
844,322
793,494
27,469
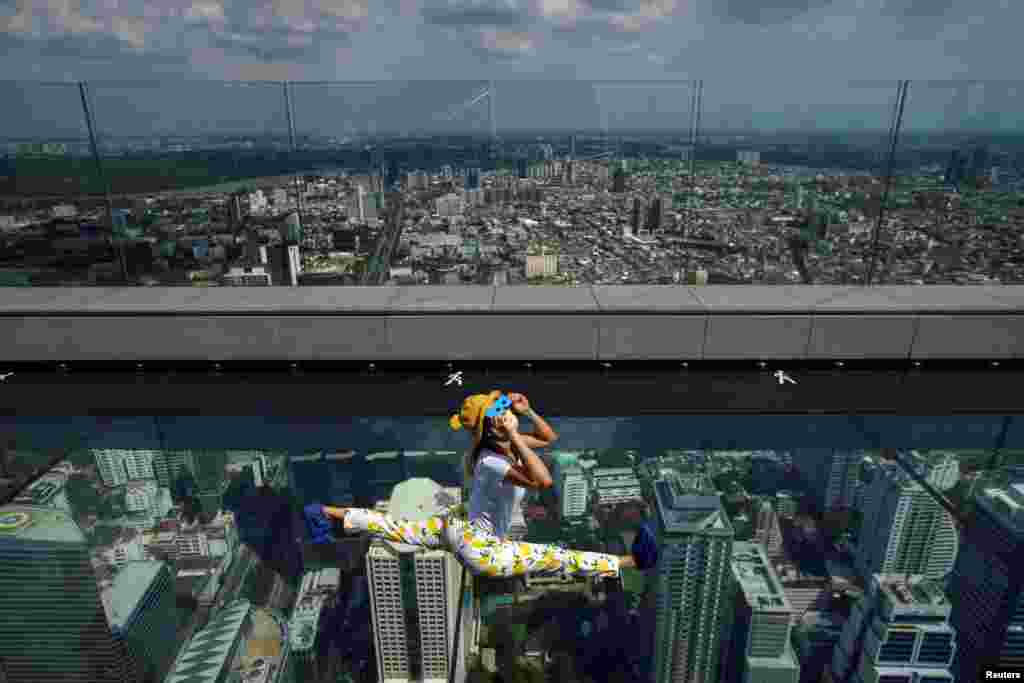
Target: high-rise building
138,463
414,595
110,466
473,178
655,214
786,504
317,592
956,169
522,168
767,531
54,627
692,584
168,465
899,632
911,533
832,475
142,613
987,586
572,492
211,651
360,203
615,485
760,649
570,484
638,215
940,468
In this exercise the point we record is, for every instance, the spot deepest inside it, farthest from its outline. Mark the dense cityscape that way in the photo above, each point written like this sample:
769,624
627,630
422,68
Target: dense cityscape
807,565
727,207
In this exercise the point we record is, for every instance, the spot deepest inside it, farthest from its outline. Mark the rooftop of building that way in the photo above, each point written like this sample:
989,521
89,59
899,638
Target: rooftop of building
682,512
756,578
203,659
129,587
419,499
1004,497
786,662
34,523
912,591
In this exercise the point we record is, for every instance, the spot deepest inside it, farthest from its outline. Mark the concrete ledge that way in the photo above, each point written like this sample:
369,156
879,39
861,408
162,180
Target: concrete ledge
511,323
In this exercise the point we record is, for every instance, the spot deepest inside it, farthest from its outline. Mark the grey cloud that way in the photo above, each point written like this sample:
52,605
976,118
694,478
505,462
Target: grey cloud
263,49
476,17
917,9
613,5
584,32
473,14
766,13
95,47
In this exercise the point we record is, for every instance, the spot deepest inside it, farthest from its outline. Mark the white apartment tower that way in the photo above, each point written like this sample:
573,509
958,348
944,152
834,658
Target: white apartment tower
911,533
693,582
414,595
571,486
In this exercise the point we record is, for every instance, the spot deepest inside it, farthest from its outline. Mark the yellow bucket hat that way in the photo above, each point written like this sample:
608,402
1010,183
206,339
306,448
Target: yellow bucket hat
474,408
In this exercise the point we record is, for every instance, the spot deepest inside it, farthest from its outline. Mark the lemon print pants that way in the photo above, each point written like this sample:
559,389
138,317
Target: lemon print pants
479,550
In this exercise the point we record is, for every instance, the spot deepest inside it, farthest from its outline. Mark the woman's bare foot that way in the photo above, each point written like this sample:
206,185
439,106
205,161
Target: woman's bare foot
335,513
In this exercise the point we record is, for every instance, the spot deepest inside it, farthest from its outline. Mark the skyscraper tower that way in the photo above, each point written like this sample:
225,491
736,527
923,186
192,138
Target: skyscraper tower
414,596
900,632
361,203
760,643
911,533
570,486
619,180
473,178
692,584
655,214
54,627
143,615
832,475
638,215
987,586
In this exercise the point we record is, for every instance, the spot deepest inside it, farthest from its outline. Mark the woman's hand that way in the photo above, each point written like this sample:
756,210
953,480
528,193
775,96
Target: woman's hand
520,404
505,426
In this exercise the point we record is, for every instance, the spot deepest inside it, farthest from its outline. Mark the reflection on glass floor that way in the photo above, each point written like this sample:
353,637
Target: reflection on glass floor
199,562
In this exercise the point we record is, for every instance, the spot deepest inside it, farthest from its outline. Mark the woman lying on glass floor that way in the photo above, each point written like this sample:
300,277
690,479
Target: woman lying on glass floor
501,465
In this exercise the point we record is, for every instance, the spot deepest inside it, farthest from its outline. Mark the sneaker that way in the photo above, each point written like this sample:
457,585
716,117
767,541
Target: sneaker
645,547
319,525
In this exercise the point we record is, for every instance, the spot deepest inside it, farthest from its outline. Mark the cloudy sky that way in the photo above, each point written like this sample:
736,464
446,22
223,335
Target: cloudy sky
786,58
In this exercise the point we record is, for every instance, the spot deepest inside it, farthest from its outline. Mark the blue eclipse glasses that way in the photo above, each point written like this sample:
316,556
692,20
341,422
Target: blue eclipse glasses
499,407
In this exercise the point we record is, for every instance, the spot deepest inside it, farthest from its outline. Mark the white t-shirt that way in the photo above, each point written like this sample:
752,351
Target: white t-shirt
493,500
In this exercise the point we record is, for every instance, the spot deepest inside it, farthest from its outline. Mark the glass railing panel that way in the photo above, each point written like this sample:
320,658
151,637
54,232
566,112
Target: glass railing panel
791,178
669,182
174,534
47,166
181,159
955,207
369,146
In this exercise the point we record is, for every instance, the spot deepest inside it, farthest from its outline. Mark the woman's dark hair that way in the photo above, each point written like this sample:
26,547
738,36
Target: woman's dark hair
486,441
